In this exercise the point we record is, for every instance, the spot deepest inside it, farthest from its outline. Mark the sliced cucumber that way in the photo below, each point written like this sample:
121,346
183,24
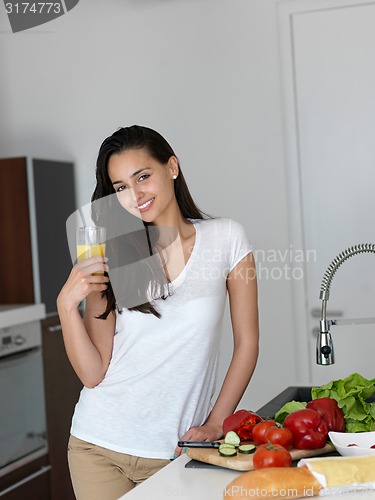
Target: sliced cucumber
246,448
226,445
226,450
232,437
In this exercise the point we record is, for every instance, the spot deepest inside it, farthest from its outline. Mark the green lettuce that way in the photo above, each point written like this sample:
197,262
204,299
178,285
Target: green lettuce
351,394
289,407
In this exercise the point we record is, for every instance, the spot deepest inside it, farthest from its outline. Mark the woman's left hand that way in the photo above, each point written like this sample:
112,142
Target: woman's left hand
207,432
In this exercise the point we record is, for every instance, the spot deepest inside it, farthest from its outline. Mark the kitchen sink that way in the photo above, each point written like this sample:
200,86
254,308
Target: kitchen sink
289,394
295,393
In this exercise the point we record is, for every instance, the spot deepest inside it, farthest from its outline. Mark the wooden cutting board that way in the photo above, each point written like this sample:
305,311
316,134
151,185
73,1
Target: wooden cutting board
243,462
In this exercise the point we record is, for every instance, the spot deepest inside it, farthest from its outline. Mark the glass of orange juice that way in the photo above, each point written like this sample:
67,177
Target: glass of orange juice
90,243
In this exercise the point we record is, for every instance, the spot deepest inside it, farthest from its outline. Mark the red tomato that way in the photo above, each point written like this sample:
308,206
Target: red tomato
260,429
279,435
269,455
373,446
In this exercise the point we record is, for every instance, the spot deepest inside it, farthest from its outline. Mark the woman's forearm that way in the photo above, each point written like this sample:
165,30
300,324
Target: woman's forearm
82,353
88,343
235,383
242,289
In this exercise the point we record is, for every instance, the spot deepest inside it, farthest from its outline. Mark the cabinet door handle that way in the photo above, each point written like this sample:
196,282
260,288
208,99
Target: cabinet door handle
14,486
55,328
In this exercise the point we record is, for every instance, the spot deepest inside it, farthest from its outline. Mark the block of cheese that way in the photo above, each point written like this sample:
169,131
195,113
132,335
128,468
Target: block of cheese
341,471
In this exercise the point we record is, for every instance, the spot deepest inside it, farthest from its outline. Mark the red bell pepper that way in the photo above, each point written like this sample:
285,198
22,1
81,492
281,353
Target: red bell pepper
330,412
308,428
241,422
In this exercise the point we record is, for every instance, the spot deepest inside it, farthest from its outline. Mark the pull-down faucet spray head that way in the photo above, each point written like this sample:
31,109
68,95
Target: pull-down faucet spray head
325,354
324,345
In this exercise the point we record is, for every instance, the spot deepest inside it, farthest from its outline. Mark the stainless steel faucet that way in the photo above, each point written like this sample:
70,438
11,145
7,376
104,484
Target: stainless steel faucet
324,346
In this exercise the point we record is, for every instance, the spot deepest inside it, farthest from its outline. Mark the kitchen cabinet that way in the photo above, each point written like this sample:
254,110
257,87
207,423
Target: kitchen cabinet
62,388
24,467
36,198
30,481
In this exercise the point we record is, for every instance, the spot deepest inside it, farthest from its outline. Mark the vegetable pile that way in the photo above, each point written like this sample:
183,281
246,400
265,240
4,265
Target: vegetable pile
265,455
272,439
341,403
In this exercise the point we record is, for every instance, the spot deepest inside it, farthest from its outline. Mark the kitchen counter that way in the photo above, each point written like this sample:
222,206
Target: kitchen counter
175,481
16,314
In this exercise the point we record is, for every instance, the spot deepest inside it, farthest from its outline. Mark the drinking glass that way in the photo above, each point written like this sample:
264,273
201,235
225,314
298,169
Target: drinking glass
90,243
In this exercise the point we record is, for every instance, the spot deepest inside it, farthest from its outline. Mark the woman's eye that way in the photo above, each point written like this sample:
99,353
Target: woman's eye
144,177
120,188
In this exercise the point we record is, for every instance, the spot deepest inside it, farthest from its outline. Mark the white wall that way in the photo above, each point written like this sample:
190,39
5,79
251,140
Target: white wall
205,73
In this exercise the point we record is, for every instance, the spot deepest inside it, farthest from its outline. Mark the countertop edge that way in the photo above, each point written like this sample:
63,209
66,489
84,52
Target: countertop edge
16,314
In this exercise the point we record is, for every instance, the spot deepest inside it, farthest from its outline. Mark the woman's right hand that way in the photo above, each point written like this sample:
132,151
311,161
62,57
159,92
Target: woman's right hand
81,282
89,341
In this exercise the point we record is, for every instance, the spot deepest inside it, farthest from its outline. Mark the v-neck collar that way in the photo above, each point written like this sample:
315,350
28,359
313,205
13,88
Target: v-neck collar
180,278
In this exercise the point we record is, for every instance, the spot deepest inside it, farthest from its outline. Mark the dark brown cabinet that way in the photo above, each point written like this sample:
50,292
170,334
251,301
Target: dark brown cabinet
36,198
30,481
62,388
17,270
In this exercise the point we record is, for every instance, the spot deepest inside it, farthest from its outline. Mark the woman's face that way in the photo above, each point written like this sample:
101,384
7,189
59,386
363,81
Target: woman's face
144,186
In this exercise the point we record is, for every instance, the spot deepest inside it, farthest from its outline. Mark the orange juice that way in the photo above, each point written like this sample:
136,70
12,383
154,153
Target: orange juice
86,251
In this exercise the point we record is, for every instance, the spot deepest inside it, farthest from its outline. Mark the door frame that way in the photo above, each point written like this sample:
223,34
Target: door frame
286,12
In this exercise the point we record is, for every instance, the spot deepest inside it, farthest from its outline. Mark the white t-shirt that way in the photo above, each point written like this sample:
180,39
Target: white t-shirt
162,373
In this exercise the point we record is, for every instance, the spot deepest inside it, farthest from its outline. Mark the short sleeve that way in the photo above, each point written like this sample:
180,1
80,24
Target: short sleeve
239,244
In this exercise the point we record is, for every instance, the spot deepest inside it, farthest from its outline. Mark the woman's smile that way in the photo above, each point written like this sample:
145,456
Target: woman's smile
145,206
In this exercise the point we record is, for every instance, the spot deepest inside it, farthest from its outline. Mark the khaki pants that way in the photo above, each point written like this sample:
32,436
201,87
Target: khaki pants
101,474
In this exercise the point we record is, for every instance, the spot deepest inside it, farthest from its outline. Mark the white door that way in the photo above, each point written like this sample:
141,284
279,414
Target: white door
328,64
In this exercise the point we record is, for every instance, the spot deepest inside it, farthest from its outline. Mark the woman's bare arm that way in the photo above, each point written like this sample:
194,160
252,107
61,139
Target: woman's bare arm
88,342
243,300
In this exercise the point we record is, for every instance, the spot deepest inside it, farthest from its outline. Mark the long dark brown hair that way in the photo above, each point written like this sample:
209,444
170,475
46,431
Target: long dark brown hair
138,137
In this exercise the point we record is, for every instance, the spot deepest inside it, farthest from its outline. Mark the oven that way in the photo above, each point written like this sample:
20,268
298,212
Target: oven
23,434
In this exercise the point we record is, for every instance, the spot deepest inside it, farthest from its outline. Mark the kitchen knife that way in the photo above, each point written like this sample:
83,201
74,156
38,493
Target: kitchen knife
198,444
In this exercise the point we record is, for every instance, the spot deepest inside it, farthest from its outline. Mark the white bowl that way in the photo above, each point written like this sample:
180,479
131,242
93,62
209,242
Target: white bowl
363,440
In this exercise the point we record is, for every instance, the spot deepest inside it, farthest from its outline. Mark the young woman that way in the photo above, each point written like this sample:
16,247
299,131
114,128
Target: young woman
149,370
